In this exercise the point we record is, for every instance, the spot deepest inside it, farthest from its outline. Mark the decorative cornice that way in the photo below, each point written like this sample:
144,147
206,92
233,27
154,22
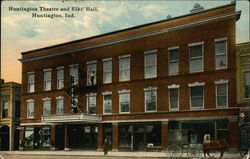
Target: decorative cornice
124,91
59,97
47,98
196,43
30,100
150,51
91,62
222,81
107,59
106,93
174,86
173,48
196,84
220,39
150,89
91,94
136,36
124,56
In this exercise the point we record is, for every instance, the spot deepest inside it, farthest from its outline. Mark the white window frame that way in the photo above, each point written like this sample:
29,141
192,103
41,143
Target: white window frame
46,100
196,84
222,81
89,73
106,93
59,79
174,86
91,95
146,53
31,82
59,98
47,81
30,101
175,61
145,104
74,66
124,91
122,69
5,104
107,72
202,57
221,40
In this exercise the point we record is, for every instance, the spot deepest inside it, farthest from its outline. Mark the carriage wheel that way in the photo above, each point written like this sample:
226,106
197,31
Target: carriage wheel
243,153
174,151
194,152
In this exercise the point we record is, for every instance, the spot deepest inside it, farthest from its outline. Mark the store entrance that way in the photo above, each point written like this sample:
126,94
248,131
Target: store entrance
4,138
82,136
59,138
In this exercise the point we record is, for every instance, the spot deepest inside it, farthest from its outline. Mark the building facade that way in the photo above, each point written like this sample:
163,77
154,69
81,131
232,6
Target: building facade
141,88
10,101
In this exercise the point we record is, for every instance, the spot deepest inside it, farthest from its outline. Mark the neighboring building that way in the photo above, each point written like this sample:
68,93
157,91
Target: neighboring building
243,94
142,88
10,100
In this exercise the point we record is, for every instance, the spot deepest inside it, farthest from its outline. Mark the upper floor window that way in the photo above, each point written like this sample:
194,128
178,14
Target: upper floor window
91,73
47,80
60,77
5,109
196,57
173,56
91,103
59,105
150,99
30,108
173,97
31,82
74,73
46,106
247,84
221,53
196,95
124,101
221,93
124,68
107,70
107,102
150,64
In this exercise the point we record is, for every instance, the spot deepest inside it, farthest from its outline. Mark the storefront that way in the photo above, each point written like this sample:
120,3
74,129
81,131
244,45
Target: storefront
140,136
37,137
195,132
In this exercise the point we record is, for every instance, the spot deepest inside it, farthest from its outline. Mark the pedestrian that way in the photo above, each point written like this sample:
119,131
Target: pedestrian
106,147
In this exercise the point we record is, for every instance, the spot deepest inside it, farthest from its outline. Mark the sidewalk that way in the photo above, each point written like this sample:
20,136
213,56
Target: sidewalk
227,155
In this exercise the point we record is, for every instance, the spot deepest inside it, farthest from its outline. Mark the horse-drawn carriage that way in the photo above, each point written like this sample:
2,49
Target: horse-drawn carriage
179,146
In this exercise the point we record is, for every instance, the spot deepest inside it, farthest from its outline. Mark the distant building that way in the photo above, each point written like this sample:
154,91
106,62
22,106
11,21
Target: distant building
142,88
10,100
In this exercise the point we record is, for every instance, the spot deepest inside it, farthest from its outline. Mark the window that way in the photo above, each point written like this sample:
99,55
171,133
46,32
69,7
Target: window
31,82
196,57
107,70
59,105
150,64
125,133
5,109
124,68
74,73
46,106
247,84
91,103
29,136
173,97
221,53
60,78
107,102
153,136
30,108
173,55
150,99
91,73
124,101
47,80
196,95
221,93
74,104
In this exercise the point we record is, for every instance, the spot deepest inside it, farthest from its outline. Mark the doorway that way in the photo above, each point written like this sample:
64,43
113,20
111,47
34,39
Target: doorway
4,138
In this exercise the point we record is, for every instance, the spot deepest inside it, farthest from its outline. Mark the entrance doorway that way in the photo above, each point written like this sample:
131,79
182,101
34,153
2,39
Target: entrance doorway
59,137
4,138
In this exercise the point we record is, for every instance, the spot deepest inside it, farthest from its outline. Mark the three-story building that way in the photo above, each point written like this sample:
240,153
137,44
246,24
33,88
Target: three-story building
142,88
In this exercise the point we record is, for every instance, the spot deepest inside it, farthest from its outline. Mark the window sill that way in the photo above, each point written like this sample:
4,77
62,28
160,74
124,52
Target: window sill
221,68
221,107
197,108
198,71
124,112
173,74
174,110
150,77
150,111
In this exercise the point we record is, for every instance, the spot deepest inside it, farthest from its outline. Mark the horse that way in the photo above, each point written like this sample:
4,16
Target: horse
220,145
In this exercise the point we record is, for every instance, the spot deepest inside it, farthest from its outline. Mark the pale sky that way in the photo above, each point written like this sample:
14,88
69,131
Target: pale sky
20,32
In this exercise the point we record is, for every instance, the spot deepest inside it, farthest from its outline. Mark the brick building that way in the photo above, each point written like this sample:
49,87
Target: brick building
142,88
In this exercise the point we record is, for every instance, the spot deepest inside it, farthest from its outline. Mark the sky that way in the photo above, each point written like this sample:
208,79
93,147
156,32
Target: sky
21,32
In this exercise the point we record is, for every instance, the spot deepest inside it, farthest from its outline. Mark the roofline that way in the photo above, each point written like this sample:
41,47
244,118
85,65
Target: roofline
123,30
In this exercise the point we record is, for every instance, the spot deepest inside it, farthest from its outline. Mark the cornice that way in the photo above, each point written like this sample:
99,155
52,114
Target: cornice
133,37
